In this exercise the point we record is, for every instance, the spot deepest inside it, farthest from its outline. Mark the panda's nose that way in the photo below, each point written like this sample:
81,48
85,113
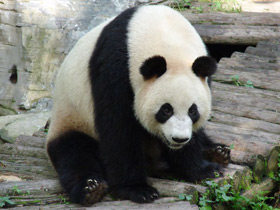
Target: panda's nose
179,140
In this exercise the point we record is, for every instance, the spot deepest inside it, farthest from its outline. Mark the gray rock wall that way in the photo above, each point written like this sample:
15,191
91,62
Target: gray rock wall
35,36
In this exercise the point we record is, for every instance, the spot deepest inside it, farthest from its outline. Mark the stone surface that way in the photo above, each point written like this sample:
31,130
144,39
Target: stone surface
14,125
35,37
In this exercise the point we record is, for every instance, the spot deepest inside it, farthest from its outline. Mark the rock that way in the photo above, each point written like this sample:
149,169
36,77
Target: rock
36,35
14,125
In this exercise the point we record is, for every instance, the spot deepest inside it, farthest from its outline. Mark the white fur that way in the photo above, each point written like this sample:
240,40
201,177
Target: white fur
159,30
73,105
177,127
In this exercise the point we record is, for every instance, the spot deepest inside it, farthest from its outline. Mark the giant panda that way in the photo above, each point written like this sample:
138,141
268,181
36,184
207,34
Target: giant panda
130,100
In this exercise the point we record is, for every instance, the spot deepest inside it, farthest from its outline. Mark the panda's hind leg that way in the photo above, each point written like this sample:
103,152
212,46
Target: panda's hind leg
76,160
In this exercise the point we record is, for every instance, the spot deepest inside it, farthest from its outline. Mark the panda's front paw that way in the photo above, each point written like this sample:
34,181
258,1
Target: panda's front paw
220,154
136,193
94,191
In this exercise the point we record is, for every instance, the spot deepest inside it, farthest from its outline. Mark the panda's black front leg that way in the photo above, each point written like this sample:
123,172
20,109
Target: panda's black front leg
188,163
214,152
122,156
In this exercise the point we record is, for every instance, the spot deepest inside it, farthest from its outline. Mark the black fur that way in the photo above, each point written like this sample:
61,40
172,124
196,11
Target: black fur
204,66
189,163
154,66
76,159
194,113
118,130
164,113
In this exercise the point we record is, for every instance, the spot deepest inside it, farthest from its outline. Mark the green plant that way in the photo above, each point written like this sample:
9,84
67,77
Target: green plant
275,176
197,9
64,200
236,81
181,5
5,200
16,191
184,197
226,195
226,6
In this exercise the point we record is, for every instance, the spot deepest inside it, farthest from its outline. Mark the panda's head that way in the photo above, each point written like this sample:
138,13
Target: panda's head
174,101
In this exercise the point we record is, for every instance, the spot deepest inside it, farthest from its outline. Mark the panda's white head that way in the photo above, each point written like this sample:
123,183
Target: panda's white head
173,103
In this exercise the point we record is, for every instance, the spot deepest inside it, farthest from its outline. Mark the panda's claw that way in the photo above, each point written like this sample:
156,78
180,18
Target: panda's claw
87,189
94,191
219,154
155,195
89,181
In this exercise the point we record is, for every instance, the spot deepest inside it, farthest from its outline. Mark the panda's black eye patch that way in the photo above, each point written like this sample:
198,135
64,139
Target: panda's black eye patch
164,113
193,113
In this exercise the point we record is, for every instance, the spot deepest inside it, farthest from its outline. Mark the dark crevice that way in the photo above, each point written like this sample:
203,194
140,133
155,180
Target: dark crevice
219,51
14,75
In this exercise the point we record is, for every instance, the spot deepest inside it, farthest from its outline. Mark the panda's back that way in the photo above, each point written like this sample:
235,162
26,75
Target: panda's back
73,105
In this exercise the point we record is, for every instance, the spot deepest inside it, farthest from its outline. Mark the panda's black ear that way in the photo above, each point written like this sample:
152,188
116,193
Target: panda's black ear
204,66
154,66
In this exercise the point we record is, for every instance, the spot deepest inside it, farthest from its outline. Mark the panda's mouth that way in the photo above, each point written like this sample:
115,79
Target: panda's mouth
172,146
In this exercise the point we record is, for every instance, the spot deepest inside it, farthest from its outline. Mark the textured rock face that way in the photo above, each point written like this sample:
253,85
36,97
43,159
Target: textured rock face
36,35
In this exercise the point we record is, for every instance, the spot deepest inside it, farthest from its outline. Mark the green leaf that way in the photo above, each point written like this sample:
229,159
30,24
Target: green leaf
231,146
271,174
10,202
189,197
182,196
225,197
206,208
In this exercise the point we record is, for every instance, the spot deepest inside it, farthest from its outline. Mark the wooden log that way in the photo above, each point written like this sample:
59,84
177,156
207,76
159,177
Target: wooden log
164,203
272,160
262,52
273,45
249,19
28,161
11,149
247,143
259,169
260,78
246,102
41,187
238,176
30,141
241,28
239,60
233,34
244,122
28,171
264,188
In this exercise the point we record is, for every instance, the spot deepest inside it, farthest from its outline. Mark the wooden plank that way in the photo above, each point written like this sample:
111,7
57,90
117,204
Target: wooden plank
232,34
164,203
244,122
246,102
218,18
260,79
272,45
233,28
247,143
239,60
263,52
